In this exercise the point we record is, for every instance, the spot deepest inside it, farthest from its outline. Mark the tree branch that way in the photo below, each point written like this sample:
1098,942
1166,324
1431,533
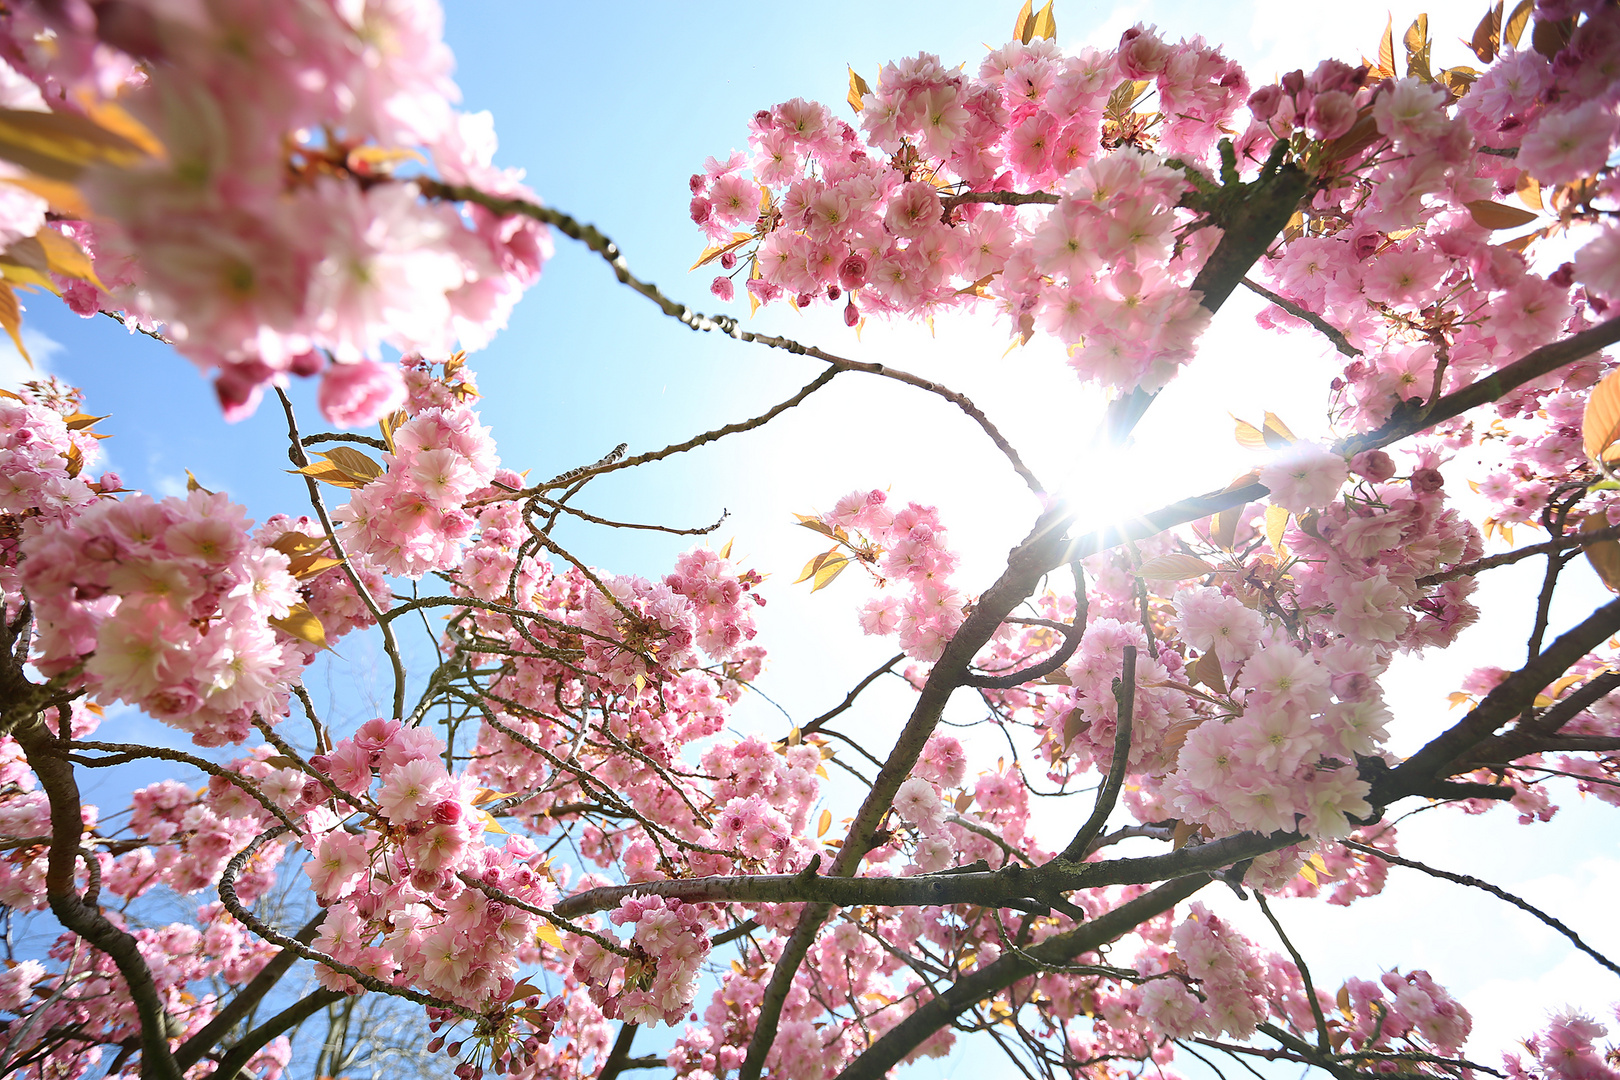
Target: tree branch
987,981
1125,694
1501,894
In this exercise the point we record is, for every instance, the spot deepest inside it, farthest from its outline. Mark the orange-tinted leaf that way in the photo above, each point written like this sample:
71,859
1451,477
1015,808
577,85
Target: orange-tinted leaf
1074,724
1248,436
963,801
58,145
79,421
1276,524
1174,567
1045,23
1417,49
823,823
328,473
307,566
353,463
302,624
1208,671
1603,555
829,571
1514,26
1600,424
1024,24
1386,49
1487,38
1529,191
297,543
1223,528
815,564
67,258
11,319
1175,736
857,90
725,552
1494,215
390,424
375,160
712,253
547,934
1182,833
193,485
63,197
1549,38
1276,432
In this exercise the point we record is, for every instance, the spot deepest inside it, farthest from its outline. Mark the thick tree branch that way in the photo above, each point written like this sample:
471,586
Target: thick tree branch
987,981
1125,694
49,763
193,1049
233,1062
1447,753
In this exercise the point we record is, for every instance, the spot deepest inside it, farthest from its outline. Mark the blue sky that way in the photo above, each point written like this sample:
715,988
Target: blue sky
610,108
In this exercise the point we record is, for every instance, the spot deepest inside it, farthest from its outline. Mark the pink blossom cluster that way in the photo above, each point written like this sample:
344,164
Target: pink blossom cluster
1365,556
1230,975
1566,1049
1412,1008
910,546
189,966
42,461
414,892
658,981
330,594
167,606
888,221
412,519
266,231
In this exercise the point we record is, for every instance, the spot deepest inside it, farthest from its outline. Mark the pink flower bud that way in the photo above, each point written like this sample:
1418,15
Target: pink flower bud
851,314
852,271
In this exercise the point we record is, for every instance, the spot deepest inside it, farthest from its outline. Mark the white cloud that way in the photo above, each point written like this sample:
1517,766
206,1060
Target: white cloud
14,370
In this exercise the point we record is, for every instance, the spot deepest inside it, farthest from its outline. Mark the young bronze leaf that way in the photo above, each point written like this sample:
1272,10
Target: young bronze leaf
1549,38
814,565
192,485
1494,215
1386,50
390,424
1223,528
1208,671
302,624
63,197
297,543
353,463
1046,22
857,90
1276,433
1276,523
1174,567
328,473
305,567
1248,436
1024,24
1600,424
823,824
1603,555
58,145
1417,49
1488,35
548,934
11,319
1529,191
829,570
1513,28
64,257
